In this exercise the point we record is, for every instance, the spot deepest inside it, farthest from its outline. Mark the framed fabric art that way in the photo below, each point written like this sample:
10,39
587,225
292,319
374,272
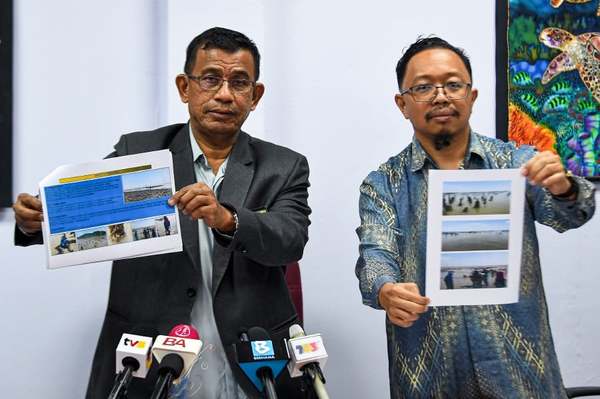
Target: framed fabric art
548,78
6,32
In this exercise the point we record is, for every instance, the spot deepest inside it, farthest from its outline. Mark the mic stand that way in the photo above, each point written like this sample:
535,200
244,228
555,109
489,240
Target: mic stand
161,390
119,390
313,373
266,377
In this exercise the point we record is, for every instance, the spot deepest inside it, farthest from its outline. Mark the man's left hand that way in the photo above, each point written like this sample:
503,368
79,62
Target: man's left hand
198,201
546,169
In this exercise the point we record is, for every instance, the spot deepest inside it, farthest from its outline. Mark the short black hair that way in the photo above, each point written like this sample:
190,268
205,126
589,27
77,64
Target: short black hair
427,43
222,39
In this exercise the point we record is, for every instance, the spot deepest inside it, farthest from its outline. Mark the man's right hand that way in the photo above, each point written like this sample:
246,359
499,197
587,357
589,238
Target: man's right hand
28,213
402,302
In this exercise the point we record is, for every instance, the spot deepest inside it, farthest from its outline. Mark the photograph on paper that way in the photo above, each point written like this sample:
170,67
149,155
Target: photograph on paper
461,270
474,236
146,185
476,197
101,210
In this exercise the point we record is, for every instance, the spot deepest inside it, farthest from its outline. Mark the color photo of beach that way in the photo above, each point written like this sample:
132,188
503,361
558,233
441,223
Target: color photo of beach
467,270
476,197
475,235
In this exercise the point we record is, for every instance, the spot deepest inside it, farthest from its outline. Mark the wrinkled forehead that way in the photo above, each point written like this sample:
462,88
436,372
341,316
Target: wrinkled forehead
223,61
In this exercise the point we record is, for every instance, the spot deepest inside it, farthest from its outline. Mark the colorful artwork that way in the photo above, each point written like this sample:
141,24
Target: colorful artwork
553,78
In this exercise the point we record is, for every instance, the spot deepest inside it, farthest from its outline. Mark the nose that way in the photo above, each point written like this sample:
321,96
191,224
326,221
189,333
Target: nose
437,98
224,93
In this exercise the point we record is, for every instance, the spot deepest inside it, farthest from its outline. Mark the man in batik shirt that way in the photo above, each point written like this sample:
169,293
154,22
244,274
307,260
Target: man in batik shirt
494,351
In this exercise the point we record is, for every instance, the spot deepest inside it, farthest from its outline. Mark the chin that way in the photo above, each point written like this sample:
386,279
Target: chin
221,129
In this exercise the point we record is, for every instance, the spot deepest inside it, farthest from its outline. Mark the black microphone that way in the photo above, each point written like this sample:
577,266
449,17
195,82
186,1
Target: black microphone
177,354
261,359
132,360
170,369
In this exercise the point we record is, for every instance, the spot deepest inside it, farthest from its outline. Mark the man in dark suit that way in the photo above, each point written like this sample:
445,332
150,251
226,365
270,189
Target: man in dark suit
244,214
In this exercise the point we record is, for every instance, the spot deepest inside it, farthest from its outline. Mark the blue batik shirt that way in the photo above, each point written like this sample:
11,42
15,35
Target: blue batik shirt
492,351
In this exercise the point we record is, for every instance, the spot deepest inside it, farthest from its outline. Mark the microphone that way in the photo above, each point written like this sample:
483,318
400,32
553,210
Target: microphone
170,369
261,359
307,357
133,359
176,354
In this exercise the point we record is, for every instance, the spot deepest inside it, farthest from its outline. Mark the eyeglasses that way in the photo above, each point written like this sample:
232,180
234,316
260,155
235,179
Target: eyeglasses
214,83
428,92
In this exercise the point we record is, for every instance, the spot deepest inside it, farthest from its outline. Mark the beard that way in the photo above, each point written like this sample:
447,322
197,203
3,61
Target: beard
442,140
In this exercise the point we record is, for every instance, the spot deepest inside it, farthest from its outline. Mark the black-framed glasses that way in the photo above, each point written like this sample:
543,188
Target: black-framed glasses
214,83
428,92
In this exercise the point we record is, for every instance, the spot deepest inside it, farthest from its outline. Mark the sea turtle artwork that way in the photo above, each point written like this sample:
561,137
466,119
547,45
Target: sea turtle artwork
558,3
580,52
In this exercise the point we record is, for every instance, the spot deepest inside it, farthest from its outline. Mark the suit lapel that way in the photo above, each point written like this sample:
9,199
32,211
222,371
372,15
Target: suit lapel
235,186
183,166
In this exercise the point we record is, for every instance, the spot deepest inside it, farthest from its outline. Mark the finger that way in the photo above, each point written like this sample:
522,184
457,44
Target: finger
178,194
192,193
183,191
407,305
537,163
196,202
30,201
30,227
547,171
410,292
534,168
402,314
27,214
556,181
207,213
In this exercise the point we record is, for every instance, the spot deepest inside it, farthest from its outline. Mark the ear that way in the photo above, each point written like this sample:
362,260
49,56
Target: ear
401,104
259,90
474,94
183,85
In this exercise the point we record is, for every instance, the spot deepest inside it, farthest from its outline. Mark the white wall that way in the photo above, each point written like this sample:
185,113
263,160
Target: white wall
85,72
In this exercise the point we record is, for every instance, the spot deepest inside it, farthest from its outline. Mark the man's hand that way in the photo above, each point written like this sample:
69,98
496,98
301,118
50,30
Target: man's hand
198,201
402,302
28,213
546,169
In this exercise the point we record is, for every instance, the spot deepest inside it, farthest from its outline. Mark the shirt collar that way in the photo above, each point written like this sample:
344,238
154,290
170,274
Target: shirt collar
419,155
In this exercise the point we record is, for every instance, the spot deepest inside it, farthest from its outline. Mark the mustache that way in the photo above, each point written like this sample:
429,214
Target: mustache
435,112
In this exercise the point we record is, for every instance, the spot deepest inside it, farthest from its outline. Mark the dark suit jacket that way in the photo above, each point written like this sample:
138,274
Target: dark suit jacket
150,295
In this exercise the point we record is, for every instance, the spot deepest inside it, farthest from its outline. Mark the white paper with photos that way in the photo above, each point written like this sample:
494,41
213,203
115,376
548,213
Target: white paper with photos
111,209
474,236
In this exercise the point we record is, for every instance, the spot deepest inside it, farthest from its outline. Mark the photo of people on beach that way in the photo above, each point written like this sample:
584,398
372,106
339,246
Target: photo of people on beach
476,197
467,270
63,243
166,225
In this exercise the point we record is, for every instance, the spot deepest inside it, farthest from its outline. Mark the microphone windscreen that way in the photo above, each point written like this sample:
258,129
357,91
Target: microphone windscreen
184,331
296,331
172,363
258,334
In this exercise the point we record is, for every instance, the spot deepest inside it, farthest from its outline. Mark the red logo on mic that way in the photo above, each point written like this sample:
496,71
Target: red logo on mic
184,331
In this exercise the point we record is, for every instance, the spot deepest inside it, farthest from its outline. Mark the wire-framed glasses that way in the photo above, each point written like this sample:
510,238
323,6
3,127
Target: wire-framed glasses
427,92
214,83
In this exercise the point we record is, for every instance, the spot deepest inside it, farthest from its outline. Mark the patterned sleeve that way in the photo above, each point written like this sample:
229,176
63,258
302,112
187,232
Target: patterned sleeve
554,212
378,261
